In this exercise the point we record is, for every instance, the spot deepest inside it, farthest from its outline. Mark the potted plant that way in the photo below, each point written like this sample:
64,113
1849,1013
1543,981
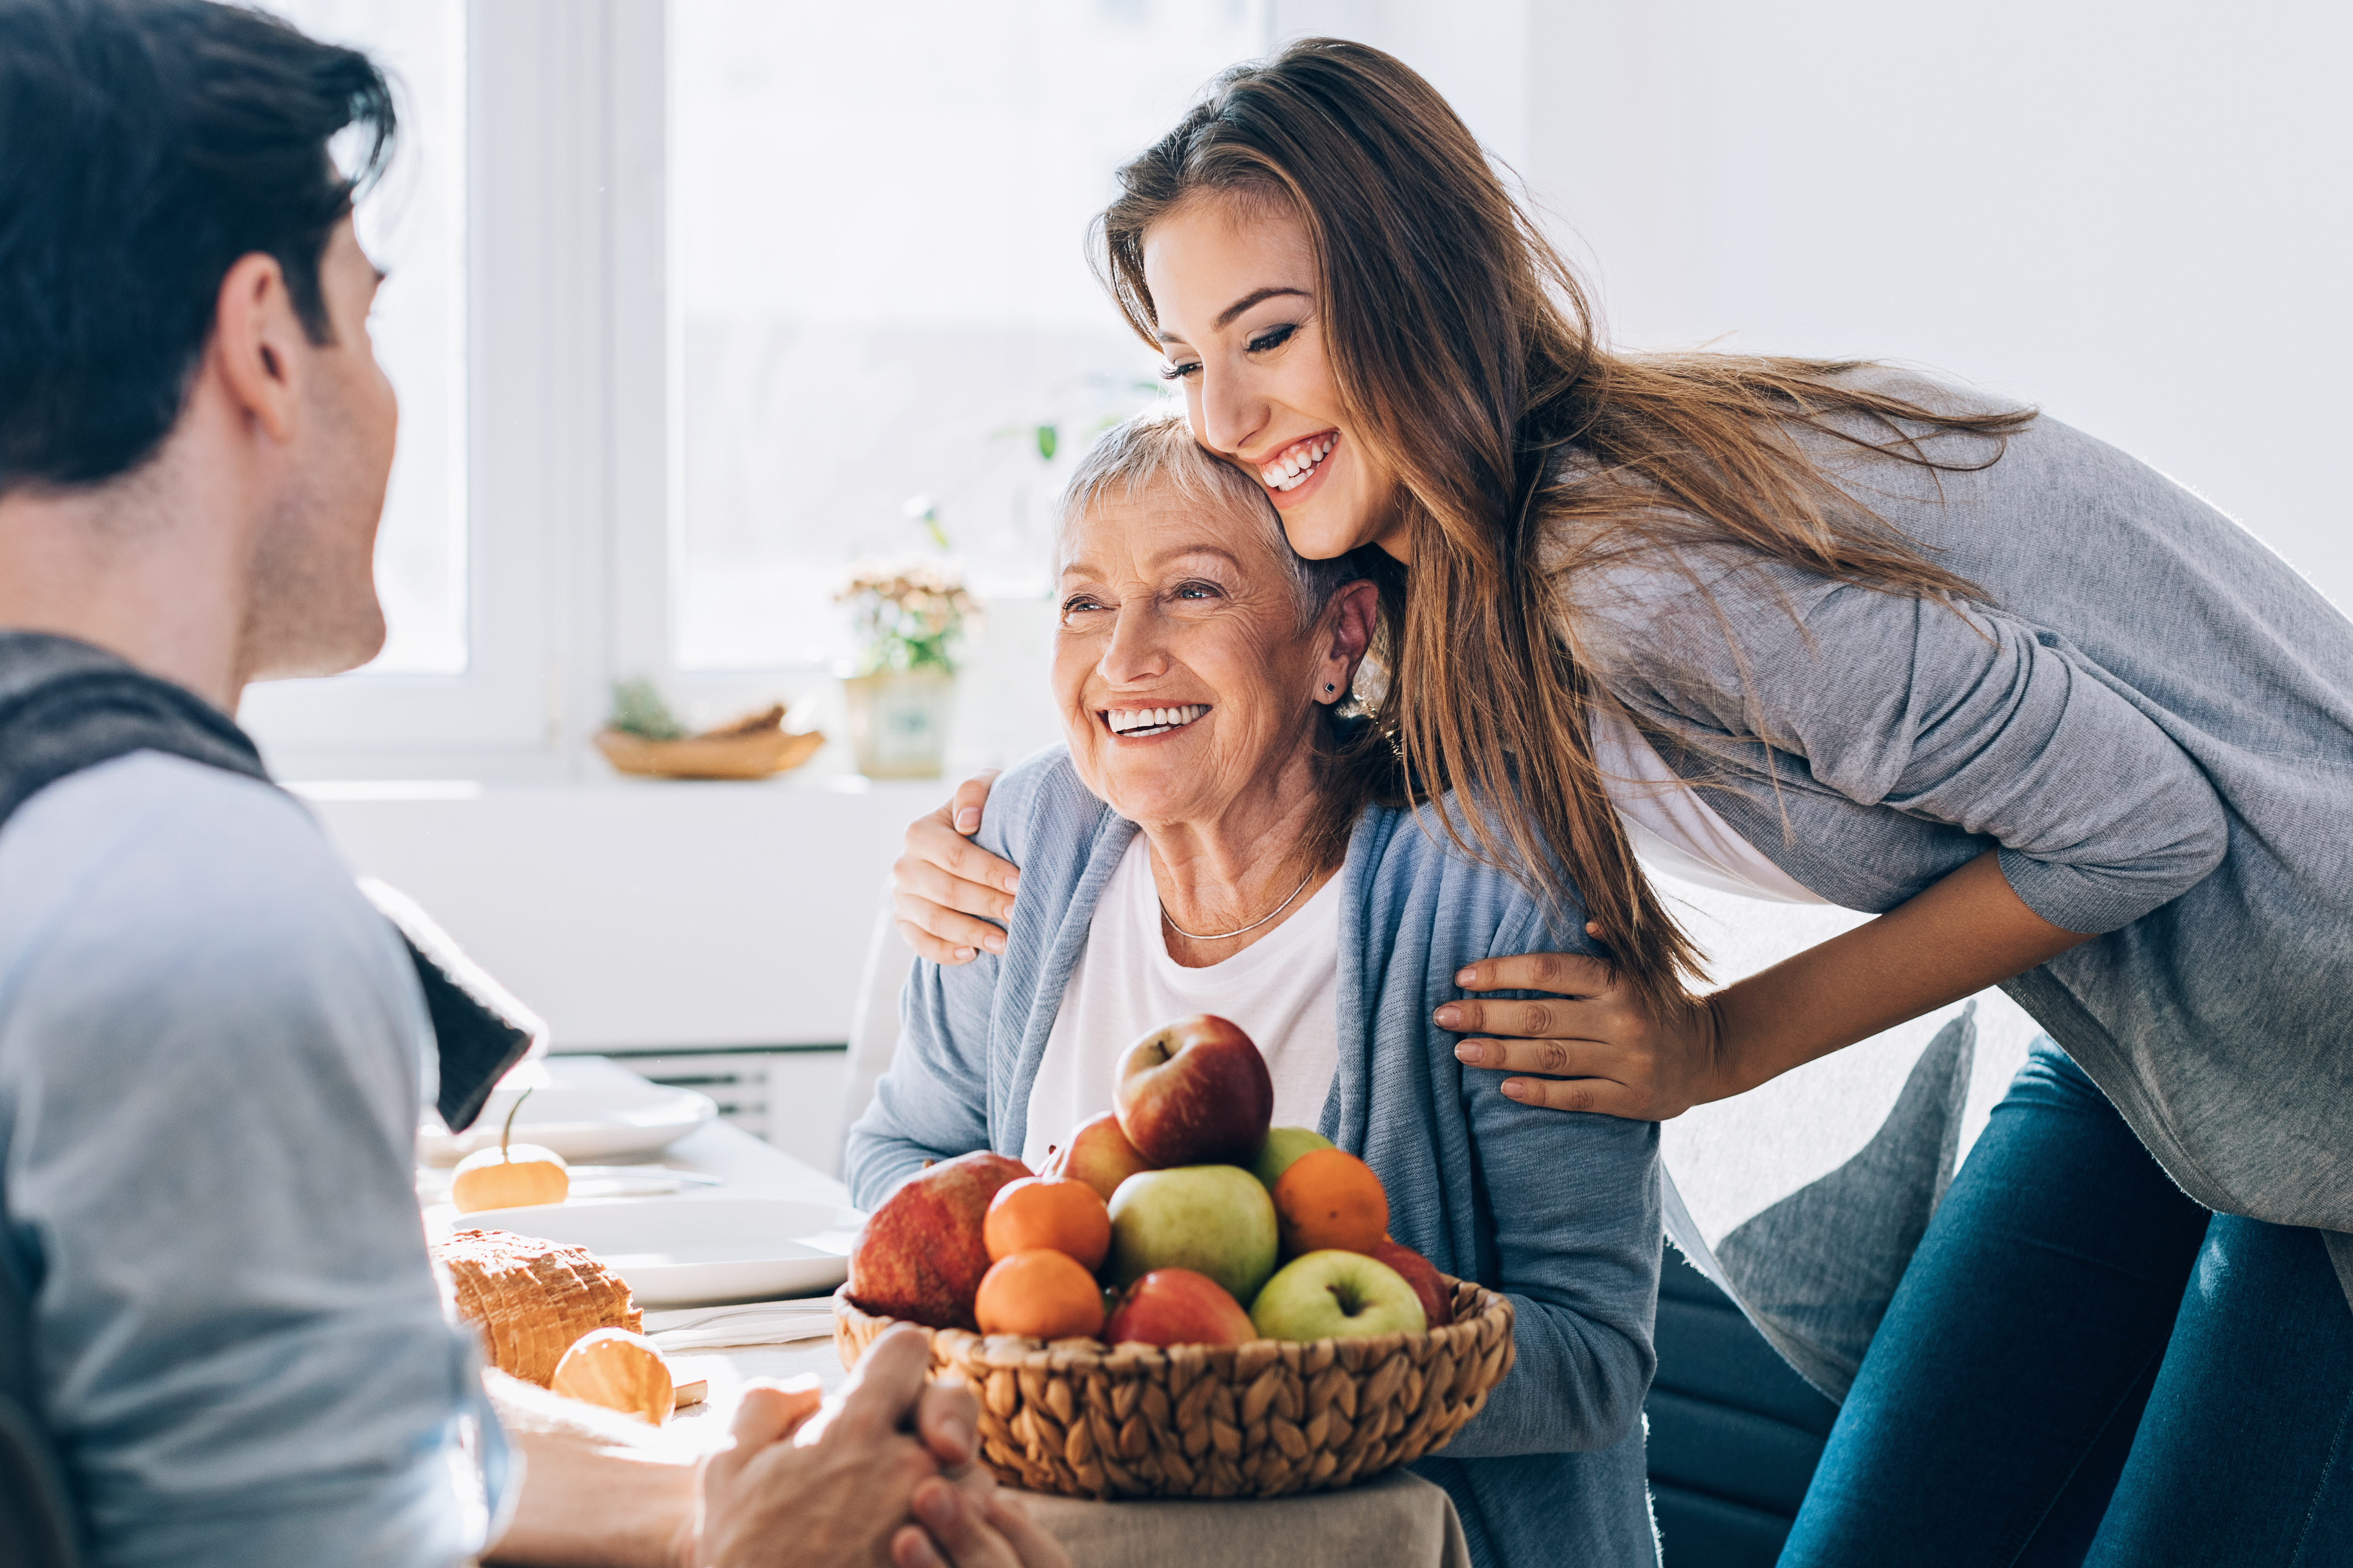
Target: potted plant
911,616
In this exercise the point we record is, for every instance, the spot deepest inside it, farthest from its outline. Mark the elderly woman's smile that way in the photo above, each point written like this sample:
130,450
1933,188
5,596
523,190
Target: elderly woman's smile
1143,724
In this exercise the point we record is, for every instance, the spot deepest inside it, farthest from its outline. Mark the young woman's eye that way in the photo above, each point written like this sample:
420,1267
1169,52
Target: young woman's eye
1273,338
1177,370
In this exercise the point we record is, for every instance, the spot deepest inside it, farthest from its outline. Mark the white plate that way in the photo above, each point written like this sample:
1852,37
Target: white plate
580,1113
694,1252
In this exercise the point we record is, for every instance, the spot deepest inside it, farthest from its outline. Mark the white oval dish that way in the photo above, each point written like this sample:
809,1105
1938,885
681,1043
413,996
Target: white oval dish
698,1252
595,1120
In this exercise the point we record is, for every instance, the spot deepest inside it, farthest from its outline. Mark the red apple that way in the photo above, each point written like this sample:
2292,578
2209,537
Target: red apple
1179,1307
1196,1092
1436,1296
922,1253
1098,1154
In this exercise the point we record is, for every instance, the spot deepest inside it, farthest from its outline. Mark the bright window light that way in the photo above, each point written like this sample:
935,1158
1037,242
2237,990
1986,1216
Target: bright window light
878,258
413,226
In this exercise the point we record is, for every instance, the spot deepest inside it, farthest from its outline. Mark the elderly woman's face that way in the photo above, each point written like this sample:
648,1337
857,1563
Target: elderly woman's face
1181,668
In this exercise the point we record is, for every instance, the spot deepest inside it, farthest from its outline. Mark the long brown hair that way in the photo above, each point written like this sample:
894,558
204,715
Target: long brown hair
1461,344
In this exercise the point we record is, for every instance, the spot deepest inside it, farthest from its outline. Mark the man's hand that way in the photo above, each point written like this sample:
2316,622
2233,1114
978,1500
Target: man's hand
816,1484
962,1528
943,879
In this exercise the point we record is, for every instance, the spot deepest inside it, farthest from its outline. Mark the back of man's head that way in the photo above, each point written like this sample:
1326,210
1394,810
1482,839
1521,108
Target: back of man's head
145,145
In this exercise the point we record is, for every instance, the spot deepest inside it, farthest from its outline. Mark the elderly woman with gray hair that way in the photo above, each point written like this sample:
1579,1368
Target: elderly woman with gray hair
1215,837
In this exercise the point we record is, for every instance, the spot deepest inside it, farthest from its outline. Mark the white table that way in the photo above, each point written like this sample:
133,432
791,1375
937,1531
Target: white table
1397,1519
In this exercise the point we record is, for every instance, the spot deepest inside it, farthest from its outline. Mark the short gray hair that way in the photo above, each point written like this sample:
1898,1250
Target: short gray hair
1156,446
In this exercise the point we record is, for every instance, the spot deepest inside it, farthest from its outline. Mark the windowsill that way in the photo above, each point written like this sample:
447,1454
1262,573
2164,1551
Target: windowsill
798,783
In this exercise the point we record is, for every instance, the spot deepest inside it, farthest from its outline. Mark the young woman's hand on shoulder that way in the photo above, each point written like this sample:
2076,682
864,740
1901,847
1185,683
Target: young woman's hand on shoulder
945,888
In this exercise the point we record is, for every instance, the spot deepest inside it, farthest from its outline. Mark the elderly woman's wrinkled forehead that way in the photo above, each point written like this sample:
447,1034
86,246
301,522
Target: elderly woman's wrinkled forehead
1159,501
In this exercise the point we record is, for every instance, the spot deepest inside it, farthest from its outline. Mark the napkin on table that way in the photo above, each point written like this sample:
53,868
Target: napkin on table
750,1323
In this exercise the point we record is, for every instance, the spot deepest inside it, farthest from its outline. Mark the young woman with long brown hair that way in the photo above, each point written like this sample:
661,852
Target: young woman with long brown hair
1832,632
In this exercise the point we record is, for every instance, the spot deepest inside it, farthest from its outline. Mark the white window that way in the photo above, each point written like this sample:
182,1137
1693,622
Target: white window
887,313
688,303
413,226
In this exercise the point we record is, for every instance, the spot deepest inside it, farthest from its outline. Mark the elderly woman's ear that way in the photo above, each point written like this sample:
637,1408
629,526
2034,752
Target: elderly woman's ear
1348,632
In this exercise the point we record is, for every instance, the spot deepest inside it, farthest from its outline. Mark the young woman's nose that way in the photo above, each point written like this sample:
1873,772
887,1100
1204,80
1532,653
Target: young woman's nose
1229,415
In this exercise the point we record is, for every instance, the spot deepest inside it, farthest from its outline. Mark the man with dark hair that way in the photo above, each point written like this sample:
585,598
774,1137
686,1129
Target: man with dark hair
221,1340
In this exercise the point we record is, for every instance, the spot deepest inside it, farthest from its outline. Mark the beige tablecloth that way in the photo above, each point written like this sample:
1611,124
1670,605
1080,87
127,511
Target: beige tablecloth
1396,1520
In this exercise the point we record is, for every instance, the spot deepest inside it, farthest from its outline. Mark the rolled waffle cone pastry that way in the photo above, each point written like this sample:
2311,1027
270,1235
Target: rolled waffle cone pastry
534,1298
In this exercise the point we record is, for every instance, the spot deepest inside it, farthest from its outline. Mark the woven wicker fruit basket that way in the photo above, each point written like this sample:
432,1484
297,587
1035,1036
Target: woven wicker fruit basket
1263,1419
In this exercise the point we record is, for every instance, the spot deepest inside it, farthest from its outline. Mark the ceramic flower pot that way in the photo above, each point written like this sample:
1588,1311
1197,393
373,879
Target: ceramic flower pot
898,723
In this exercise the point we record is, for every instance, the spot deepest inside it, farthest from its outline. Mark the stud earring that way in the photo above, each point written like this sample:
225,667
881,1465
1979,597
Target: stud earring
1329,689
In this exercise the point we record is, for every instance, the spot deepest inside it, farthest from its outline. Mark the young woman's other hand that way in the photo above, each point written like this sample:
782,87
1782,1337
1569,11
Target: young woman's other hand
943,879
1593,1044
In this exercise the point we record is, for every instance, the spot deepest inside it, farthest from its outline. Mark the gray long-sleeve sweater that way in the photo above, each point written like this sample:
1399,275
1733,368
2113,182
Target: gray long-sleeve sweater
2152,717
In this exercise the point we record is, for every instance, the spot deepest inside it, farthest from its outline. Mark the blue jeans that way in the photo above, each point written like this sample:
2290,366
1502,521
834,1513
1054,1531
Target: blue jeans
2083,1366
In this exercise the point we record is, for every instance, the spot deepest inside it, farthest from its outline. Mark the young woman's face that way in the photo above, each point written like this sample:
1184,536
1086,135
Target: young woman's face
1234,285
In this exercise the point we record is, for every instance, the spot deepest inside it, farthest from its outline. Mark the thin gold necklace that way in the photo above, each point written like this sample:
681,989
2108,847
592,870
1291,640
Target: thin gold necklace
1238,930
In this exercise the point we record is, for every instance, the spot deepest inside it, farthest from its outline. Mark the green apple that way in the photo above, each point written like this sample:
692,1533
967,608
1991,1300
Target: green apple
1335,1295
1213,1219
1285,1145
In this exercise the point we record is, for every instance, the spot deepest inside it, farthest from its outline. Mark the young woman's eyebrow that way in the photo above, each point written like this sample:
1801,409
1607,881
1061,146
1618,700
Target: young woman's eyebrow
1226,317
1256,296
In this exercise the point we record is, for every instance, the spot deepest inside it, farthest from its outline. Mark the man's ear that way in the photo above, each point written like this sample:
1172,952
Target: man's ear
257,338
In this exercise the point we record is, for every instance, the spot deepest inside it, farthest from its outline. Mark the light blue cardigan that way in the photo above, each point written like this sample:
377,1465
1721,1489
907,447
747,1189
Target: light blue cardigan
1560,1212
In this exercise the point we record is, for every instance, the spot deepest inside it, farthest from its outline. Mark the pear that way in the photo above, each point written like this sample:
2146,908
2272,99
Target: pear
510,1176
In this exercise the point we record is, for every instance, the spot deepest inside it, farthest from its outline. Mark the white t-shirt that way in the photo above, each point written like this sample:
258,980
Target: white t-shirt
1676,831
1283,990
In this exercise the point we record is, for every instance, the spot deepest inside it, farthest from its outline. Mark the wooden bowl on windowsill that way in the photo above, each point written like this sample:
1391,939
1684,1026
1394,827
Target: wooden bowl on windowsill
751,748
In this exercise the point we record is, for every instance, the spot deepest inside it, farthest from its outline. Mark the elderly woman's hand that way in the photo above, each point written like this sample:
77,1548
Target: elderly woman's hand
817,1486
1591,1045
943,879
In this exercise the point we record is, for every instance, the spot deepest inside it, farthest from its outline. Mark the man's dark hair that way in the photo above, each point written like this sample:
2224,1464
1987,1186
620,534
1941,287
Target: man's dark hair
145,146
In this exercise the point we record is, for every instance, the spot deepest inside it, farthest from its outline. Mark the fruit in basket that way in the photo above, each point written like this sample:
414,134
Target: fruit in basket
1098,1154
1056,1212
1196,1092
1437,1296
1214,1219
618,1370
1040,1292
922,1253
1179,1307
1336,1295
1285,1145
1329,1198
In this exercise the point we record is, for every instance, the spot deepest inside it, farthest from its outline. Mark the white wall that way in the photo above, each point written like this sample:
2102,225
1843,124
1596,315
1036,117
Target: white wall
635,915
2131,212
